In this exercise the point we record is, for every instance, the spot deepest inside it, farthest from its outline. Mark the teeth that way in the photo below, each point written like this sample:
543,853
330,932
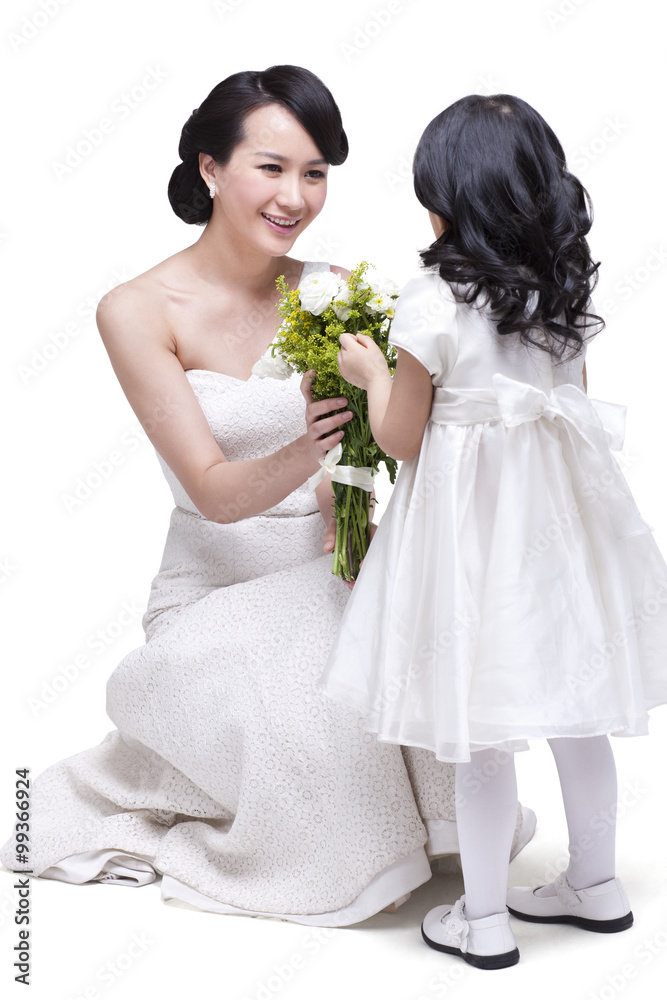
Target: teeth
286,223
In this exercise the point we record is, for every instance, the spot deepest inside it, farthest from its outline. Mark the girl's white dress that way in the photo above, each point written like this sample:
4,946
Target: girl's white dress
512,589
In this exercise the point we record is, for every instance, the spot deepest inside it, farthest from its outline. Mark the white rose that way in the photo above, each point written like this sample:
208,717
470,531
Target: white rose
343,307
317,290
272,367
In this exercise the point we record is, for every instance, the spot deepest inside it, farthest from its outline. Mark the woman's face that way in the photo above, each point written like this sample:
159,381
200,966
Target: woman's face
274,184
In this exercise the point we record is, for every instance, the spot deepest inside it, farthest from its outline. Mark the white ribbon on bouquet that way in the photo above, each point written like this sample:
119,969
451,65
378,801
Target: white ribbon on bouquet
349,475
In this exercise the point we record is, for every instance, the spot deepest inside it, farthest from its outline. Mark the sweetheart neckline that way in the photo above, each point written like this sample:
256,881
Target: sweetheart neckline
209,371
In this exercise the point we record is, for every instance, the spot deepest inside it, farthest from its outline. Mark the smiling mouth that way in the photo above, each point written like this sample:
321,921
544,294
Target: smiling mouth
283,223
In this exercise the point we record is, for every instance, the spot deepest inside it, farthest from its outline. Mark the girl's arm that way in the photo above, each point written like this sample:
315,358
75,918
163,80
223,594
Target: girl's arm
398,408
144,359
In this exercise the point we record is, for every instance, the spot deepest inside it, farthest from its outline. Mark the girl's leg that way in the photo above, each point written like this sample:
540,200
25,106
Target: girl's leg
589,896
587,775
477,928
486,804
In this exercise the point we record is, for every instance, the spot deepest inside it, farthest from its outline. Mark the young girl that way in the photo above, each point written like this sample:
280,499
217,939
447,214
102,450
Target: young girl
512,590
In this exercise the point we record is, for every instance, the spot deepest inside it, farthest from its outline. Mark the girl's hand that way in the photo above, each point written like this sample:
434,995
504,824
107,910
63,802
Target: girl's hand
360,360
321,431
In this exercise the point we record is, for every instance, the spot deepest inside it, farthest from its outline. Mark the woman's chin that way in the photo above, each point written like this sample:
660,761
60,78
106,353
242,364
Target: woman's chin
278,246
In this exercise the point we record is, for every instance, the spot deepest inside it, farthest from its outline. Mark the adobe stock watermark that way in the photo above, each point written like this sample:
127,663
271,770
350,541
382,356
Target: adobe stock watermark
422,318
606,651
58,341
476,777
116,968
7,569
224,7
443,984
642,955
323,249
486,85
95,643
375,22
260,480
593,488
260,316
633,281
122,107
284,973
580,158
435,479
599,824
427,657
401,171
32,24
88,483
563,12
626,459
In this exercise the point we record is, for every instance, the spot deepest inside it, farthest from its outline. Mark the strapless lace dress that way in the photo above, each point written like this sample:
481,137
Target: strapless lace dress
229,773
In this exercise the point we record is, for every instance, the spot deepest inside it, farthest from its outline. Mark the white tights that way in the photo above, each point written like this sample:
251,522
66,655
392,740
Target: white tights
486,803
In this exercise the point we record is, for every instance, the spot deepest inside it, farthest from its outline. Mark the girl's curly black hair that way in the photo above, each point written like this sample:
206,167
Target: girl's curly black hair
516,220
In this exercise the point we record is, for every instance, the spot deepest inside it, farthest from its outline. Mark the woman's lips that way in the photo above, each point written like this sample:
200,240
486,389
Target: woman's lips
288,225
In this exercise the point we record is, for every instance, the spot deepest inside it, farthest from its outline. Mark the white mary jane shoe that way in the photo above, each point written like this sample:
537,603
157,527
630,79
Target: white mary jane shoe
486,943
604,907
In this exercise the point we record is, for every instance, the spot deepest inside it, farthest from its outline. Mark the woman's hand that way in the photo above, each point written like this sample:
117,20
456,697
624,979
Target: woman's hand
360,359
319,428
330,536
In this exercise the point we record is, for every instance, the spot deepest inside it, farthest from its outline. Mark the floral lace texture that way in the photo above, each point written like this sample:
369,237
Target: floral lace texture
228,768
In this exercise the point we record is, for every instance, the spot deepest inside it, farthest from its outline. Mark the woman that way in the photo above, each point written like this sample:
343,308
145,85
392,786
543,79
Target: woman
228,773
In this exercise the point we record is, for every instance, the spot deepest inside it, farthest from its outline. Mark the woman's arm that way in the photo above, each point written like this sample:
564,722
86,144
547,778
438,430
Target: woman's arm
398,408
144,359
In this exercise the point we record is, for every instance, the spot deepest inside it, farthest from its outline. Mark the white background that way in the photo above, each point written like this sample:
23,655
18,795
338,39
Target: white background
595,70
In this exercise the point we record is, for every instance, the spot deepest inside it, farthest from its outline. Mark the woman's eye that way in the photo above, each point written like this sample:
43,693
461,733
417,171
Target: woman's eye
275,168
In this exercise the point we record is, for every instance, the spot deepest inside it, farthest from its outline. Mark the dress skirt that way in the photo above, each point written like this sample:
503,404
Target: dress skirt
512,590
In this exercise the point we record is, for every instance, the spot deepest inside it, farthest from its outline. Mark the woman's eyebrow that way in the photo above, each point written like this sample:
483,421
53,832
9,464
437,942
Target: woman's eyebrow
283,159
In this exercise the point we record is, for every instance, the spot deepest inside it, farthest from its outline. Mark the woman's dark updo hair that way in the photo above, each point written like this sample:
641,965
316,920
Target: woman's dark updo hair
216,128
516,219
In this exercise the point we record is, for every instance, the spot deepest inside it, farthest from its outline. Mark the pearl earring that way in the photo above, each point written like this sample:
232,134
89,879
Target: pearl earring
212,190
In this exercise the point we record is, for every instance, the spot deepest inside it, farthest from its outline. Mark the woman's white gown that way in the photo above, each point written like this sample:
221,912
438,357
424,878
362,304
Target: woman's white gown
229,773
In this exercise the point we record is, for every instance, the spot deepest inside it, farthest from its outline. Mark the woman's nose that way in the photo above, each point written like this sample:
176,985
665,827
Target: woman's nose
290,195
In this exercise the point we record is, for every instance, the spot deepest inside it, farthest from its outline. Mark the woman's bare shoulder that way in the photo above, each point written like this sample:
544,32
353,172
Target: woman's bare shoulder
342,271
142,300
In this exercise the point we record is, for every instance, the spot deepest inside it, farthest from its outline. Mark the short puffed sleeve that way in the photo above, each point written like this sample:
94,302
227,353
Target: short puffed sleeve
425,324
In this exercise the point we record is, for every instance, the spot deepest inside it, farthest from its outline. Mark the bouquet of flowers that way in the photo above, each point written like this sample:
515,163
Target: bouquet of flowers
314,316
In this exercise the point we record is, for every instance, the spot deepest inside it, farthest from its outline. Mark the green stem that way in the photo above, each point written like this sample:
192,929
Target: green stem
352,504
